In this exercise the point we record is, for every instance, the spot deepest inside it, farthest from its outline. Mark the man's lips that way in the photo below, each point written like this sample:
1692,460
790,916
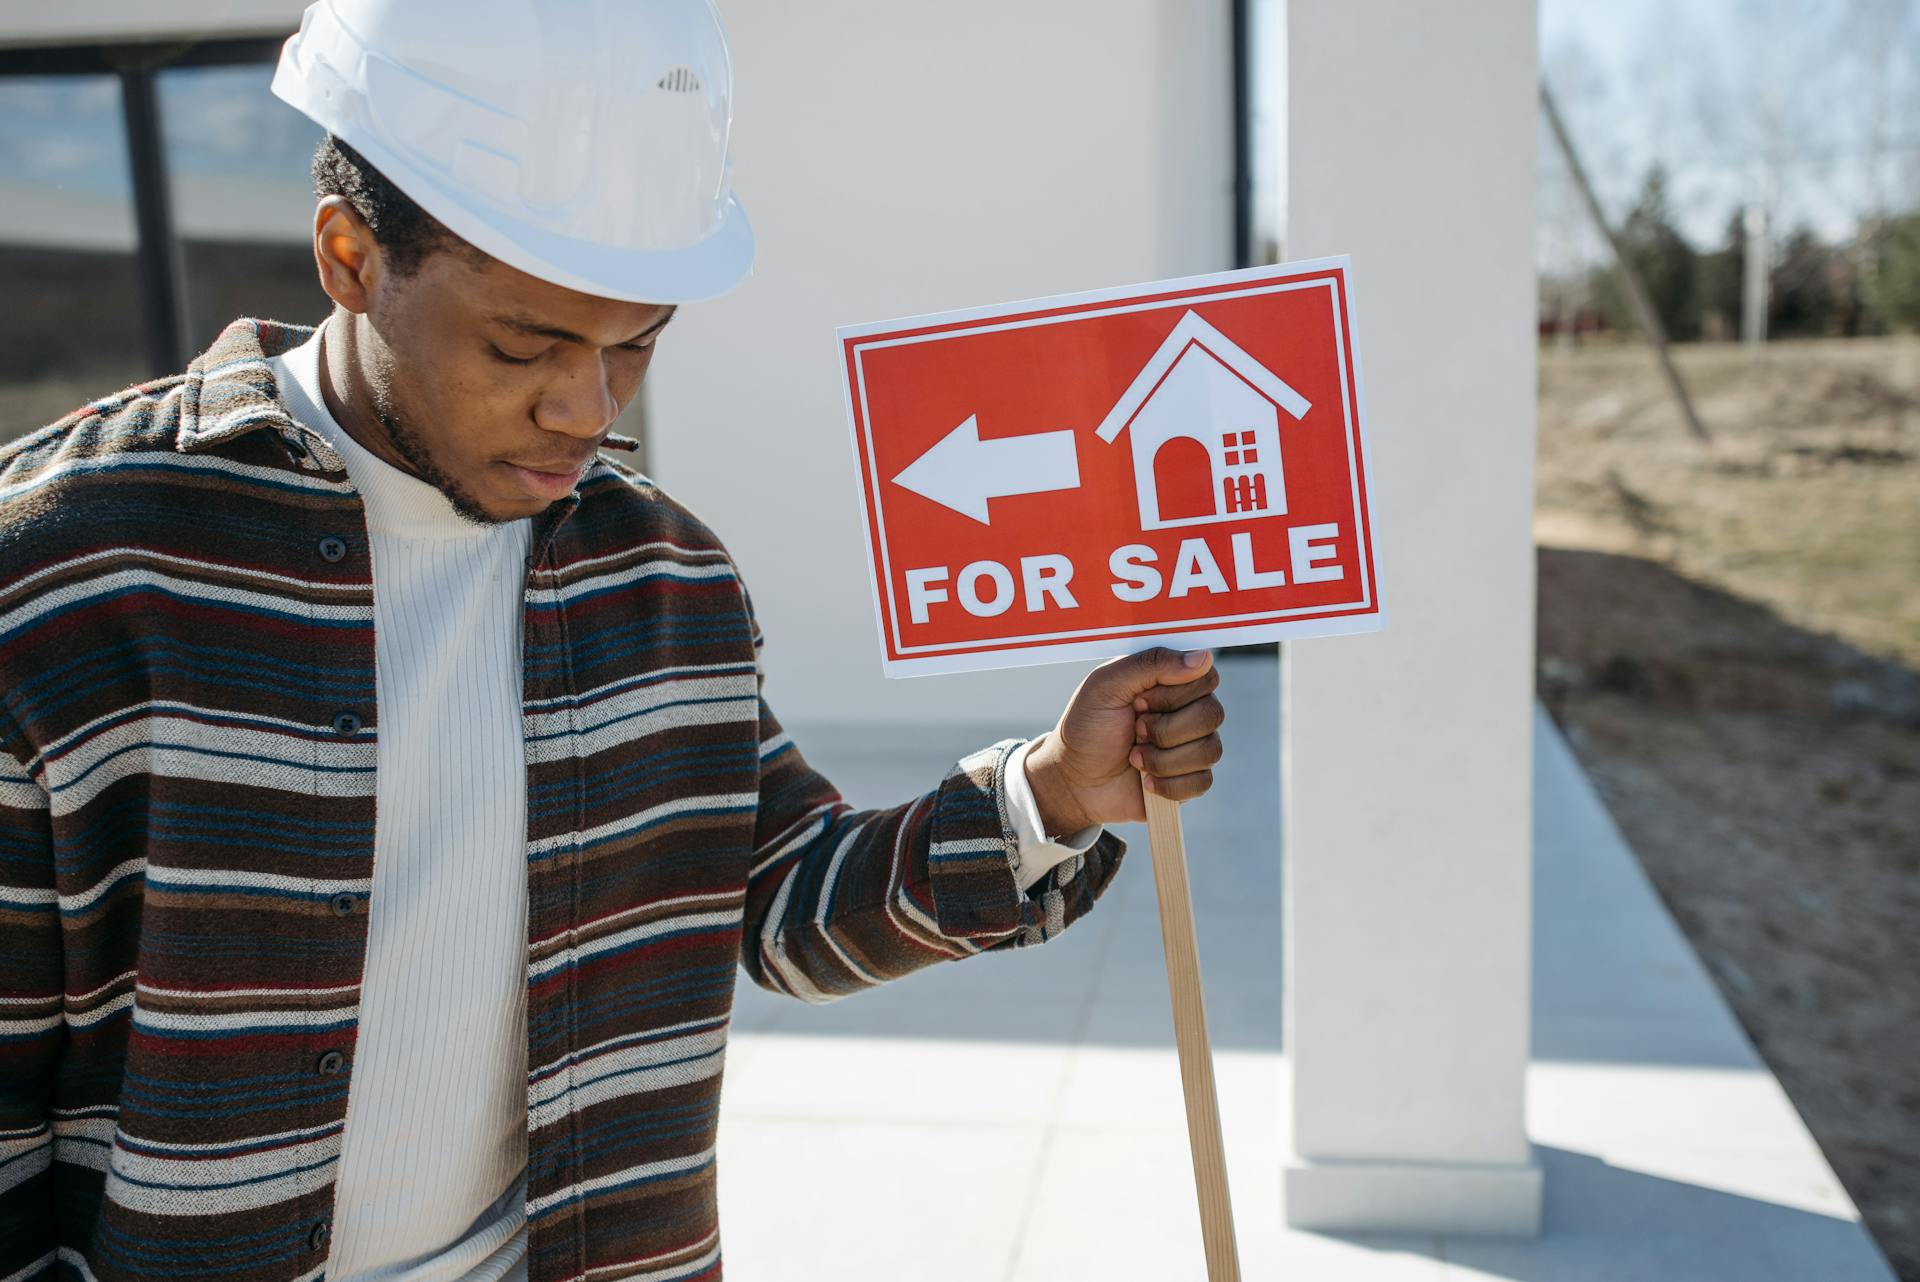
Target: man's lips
566,467
550,480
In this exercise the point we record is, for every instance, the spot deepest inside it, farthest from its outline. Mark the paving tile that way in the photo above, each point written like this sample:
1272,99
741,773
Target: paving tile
1608,1223
1037,1092
1241,955
1120,1204
1140,1087
914,1073
1618,962
1615,1109
851,1201
1137,1008
1581,862
1704,1039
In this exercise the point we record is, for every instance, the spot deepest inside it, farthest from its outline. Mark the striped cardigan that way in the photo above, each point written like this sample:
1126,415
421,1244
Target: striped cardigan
186,841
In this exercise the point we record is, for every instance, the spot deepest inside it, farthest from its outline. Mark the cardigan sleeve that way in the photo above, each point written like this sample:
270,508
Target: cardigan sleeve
1038,853
840,899
32,1023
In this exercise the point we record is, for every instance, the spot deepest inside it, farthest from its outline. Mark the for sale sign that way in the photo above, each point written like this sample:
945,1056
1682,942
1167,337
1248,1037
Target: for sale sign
1179,463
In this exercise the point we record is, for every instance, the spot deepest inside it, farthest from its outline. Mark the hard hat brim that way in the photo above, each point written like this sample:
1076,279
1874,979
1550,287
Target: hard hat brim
706,269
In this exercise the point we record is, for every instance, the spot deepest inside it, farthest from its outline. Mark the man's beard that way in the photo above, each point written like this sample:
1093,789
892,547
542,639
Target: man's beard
408,446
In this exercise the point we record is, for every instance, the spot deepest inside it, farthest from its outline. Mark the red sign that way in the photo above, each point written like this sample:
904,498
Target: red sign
1181,463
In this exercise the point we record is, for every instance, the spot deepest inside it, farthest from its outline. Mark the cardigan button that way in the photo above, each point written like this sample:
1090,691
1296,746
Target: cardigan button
332,548
344,903
331,1062
317,1236
297,448
346,721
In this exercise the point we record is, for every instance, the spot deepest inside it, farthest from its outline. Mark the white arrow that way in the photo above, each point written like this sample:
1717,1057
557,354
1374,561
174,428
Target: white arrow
962,472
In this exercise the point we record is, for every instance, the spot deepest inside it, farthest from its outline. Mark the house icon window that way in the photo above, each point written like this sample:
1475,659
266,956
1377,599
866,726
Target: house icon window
1186,469
1243,487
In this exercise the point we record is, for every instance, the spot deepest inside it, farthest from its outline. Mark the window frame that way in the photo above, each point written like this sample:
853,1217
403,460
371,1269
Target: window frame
156,247
1240,22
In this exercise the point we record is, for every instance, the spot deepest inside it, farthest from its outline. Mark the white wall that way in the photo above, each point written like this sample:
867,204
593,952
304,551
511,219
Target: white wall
1407,757
907,158
895,159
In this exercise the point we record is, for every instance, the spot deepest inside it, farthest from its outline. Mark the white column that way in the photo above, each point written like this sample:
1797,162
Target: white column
1407,756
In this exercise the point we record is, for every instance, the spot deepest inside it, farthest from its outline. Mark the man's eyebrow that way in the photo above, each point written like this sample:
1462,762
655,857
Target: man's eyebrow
539,329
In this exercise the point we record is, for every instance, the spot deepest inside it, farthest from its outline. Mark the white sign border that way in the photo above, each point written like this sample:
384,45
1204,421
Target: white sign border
1225,630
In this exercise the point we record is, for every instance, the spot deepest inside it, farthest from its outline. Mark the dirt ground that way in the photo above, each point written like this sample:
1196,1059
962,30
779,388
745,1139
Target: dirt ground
1729,635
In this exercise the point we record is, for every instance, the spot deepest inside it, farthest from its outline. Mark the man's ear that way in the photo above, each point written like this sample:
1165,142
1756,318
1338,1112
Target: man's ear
345,253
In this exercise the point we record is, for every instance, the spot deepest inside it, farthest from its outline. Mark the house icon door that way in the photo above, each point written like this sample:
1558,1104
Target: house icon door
1203,419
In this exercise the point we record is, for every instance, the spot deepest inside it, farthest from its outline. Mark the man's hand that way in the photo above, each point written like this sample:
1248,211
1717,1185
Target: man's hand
1149,718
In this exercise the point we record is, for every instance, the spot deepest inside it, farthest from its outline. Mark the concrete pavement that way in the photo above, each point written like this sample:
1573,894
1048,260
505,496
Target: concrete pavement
1018,1116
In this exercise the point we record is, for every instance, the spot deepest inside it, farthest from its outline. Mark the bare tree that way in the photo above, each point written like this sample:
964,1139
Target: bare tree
1879,122
1567,241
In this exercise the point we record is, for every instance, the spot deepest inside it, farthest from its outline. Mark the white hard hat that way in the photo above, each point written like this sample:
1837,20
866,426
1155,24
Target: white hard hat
582,142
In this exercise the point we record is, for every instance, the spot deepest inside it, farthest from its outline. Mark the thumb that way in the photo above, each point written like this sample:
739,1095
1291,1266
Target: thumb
1136,674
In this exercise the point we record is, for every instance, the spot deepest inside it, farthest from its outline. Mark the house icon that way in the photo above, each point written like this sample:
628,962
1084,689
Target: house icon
1205,421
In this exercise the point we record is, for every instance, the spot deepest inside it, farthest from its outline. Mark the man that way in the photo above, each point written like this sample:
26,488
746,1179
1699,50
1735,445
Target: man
388,796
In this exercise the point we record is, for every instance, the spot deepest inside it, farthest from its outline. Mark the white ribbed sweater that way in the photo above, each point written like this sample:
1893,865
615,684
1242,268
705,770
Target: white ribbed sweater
431,1185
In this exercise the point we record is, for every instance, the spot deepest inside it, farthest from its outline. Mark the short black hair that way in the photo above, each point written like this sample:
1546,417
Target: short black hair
405,232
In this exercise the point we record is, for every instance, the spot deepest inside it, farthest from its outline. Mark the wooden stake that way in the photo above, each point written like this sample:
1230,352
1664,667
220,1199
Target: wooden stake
1190,1034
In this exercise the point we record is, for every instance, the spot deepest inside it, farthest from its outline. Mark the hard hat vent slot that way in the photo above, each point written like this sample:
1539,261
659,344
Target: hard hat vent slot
680,80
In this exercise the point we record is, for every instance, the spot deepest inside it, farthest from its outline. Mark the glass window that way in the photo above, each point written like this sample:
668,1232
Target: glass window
70,331
237,163
239,199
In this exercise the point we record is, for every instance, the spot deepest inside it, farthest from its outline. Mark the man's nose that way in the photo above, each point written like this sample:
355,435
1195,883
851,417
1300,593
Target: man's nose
579,401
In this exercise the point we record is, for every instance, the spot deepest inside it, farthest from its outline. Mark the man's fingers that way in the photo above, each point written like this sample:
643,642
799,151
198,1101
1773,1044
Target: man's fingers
1123,679
1166,698
1168,729
1179,787
1170,762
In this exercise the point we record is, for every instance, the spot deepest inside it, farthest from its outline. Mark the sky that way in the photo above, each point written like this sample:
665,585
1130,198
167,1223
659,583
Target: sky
1807,108
1770,102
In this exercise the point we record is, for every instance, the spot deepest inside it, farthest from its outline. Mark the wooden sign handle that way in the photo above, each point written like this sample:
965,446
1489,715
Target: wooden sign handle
1190,1034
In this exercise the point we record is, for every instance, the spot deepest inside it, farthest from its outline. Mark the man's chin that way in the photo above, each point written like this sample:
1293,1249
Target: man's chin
494,509
497,508
498,512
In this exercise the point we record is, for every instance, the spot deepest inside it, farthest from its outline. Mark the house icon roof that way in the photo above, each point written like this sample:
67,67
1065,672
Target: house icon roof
1191,331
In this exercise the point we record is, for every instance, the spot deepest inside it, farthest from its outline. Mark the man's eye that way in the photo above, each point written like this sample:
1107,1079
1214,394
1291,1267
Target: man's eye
512,360
639,347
